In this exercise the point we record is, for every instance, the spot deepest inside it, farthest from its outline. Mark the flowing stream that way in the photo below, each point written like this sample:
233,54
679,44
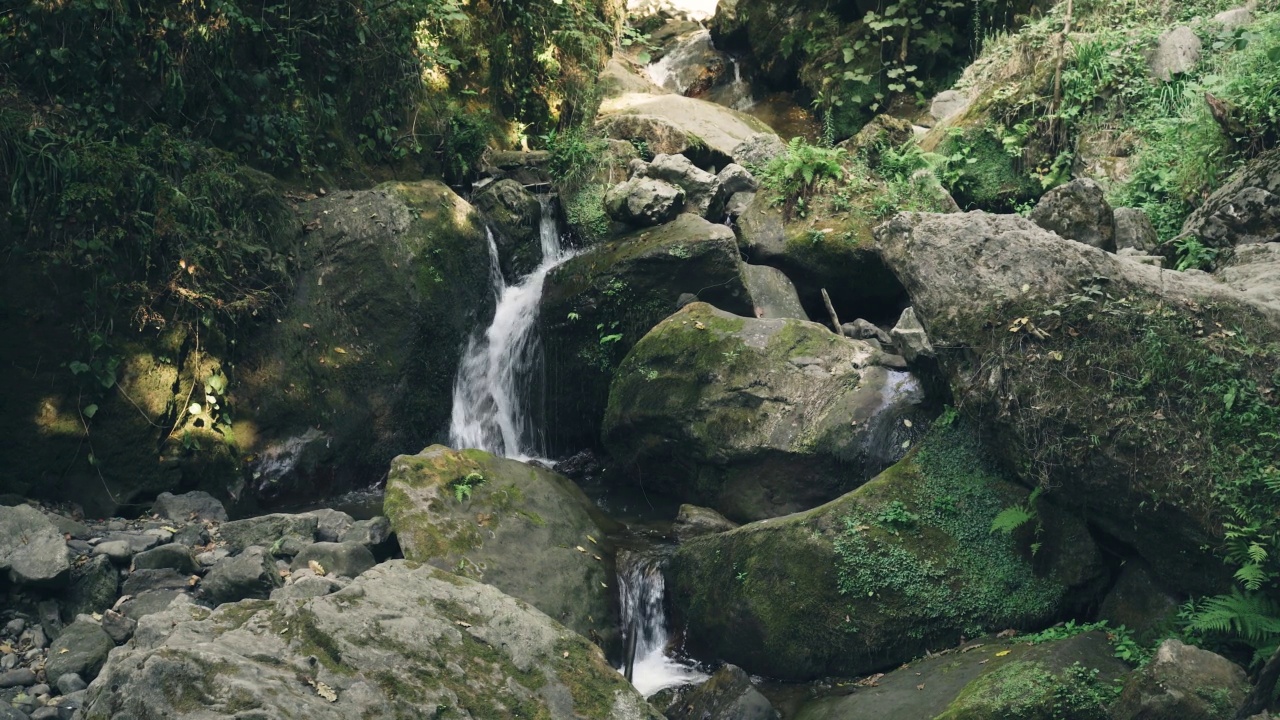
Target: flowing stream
494,388
642,588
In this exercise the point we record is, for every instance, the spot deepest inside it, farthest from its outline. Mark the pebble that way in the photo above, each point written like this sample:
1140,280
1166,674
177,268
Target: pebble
9,661
118,550
41,689
22,677
46,713
15,627
70,682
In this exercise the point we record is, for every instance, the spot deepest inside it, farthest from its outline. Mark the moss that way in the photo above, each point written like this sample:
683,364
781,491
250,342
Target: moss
592,684
986,177
1028,690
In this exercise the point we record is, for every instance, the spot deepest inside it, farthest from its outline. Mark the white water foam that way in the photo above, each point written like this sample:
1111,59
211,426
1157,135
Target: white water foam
641,588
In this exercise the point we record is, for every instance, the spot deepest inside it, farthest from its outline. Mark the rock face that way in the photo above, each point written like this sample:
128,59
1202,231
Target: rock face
32,551
527,531
1182,681
1078,211
1254,270
644,202
395,641
360,366
514,212
703,192
1039,354
906,562
1245,211
728,695
774,294
597,305
669,124
756,418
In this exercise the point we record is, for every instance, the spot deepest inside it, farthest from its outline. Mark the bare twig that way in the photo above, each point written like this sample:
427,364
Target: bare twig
835,319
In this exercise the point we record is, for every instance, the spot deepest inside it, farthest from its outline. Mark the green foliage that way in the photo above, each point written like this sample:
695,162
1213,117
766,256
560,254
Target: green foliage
1028,690
1191,253
1126,647
797,174
575,156
584,211
462,487
895,517
1237,618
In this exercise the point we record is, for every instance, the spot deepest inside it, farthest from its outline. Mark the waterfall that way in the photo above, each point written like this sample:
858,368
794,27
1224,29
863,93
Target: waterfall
642,589
492,391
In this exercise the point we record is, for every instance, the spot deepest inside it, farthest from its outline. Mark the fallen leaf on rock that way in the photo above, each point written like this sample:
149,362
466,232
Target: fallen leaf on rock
920,686
699,325
1002,653
593,540
325,691
579,548
316,567
462,623
566,653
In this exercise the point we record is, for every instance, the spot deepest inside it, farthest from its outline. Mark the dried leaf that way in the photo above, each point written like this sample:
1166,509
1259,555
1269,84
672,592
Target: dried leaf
462,623
326,692
316,567
920,686
699,325
579,548
566,653
340,351
593,540
169,529
1002,653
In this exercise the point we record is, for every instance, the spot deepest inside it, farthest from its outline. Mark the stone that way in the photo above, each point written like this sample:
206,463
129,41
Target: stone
1184,682
948,103
1236,18
728,695
1138,603
620,77
195,505
738,204
734,179
755,152
1078,211
251,574
702,192
94,587
69,683
514,213
330,524
1137,256
119,627
668,123
693,521
267,530
32,550
15,627
137,542
191,536
883,131
399,639
307,587
172,556
1244,211
148,603
774,294
22,677
140,581
372,533
909,336
756,418
69,527
861,329
527,531
871,579
46,713
118,551
1134,230
346,559
1254,271
644,202
81,649
1177,51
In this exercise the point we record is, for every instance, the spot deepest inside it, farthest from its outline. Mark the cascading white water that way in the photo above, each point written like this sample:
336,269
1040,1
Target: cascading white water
492,389
641,589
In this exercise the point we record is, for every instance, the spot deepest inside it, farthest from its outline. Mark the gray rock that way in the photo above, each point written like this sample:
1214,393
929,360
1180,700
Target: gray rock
1244,211
191,535
734,178
172,556
32,550
70,683
251,574
670,124
15,627
148,603
910,337
693,521
137,542
81,649
196,505
702,192
67,526
346,559
372,533
757,151
1176,52
266,530
738,204
728,695
119,551
1138,603
45,713
1135,255
331,524
636,168
1134,230
1078,211
948,103
1183,682
861,329
774,294
307,587
1236,17
644,202
50,615
22,677
1254,270
140,581
514,212
94,587
119,627
395,641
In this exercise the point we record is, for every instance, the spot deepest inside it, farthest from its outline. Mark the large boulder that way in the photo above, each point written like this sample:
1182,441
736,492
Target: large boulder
1254,270
1244,211
1075,359
774,294
195,505
399,641
81,648
1134,230
1186,683
268,531
1078,211
596,305
514,213
671,124
1176,52
728,695
905,563
527,531
360,365
644,202
757,418
32,550
703,192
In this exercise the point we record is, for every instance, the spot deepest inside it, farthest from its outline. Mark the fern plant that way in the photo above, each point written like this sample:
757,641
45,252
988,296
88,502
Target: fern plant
797,173
1238,617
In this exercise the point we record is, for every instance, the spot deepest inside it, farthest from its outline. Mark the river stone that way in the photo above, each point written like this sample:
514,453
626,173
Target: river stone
970,275
374,533
307,587
267,530
527,531
32,551
81,649
774,294
1078,211
330,524
251,574
172,556
346,559
515,213
20,677
910,337
693,521
1177,51
719,130
734,179
702,192
94,586
1134,230
141,581
1183,682
756,418
69,683
596,305
148,603
728,695
948,103
1244,211
196,505
117,626
644,202
905,563
399,639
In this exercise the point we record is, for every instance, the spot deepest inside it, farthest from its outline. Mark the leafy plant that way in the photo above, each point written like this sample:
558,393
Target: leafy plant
462,487
797,173
1193,254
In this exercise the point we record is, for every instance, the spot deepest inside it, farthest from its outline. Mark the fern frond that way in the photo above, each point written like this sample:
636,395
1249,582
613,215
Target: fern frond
1251,617
1252,576
1010,519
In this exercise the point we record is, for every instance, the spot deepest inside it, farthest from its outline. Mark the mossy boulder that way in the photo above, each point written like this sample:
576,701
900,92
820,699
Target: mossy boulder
905,563
400,640
1138,395
359,367
525,530
703,131
989,679
515,213
755,417
597,305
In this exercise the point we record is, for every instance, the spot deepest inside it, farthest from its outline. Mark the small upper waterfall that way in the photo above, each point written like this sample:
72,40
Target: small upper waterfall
492,391
641,589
